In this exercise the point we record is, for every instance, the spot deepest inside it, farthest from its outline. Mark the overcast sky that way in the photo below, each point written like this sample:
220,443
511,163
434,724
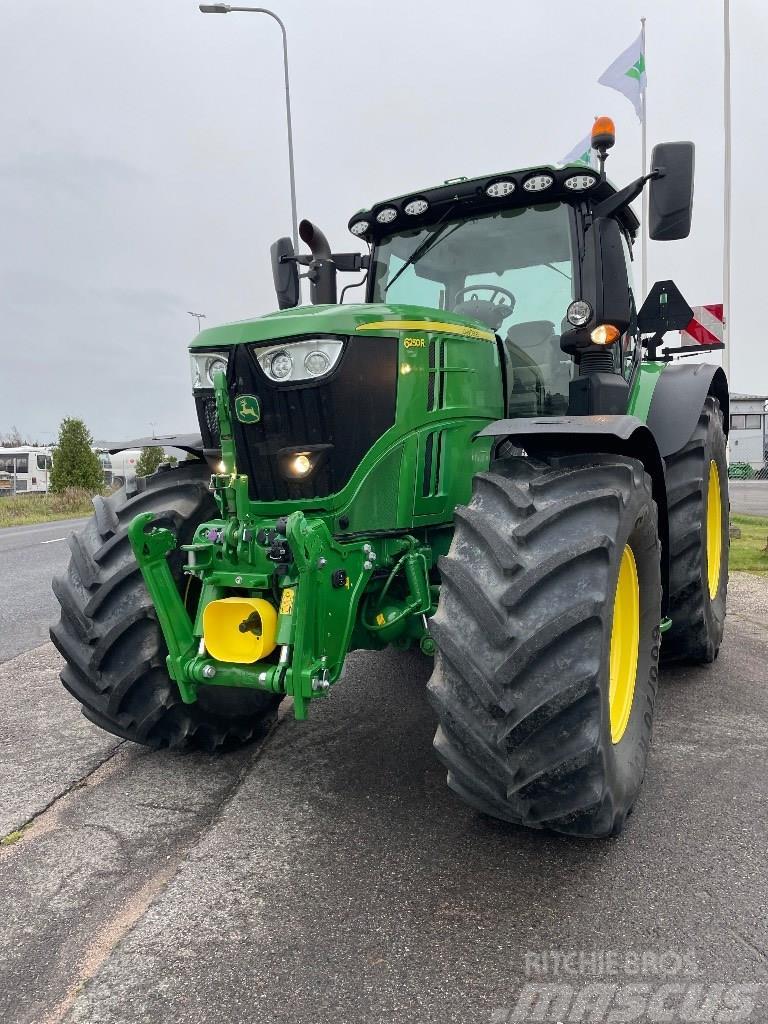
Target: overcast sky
143,167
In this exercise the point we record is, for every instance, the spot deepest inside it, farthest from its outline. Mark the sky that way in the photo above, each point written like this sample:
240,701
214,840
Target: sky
143,171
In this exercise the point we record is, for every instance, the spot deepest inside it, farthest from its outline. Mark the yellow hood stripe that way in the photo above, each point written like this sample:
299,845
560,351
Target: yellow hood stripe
427,325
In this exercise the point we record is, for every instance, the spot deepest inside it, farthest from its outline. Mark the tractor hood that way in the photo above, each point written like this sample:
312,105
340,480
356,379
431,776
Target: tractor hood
344,319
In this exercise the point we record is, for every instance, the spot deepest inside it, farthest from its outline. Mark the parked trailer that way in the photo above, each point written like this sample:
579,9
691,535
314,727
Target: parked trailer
24,469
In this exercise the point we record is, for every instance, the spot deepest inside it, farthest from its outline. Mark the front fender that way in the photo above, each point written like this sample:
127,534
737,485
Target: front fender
614,435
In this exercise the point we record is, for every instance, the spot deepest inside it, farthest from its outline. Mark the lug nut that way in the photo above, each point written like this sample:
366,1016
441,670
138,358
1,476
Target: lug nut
367,565
322,562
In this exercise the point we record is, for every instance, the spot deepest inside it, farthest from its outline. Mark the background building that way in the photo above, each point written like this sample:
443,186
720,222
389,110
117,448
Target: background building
748,442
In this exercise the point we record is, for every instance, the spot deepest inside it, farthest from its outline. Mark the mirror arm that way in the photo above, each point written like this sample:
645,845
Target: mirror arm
303,261
343,261
626,195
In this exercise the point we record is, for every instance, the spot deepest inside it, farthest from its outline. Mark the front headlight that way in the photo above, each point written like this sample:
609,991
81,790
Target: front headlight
307,359
204,365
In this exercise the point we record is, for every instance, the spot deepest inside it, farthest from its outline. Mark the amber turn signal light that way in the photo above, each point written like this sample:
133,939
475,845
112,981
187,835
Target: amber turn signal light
605,334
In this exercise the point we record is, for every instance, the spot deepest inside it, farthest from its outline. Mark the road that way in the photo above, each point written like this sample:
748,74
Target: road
329,876
29,558
749,497
31,555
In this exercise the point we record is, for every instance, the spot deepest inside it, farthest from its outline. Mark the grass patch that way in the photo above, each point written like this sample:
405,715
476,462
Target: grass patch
12,837
749,553
25,509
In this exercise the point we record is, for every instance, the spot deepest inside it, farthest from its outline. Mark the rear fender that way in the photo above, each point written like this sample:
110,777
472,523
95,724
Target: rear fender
611,435
678,399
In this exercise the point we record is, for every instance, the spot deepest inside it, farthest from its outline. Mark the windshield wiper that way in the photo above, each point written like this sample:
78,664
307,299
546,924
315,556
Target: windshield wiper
438,232
558,271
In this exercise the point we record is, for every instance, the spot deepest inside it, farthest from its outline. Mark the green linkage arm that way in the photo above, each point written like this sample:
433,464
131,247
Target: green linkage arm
151,548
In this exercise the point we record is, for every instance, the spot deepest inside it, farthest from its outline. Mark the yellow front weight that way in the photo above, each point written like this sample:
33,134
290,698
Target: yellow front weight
240,630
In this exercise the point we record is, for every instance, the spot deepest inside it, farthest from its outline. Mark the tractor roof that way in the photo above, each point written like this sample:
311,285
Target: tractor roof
464,197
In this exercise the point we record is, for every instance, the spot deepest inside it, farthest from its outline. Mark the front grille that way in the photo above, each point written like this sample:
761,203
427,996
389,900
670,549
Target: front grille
339,417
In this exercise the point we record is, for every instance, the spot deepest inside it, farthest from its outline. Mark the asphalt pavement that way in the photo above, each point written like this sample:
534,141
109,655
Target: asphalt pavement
327,875
29,558
749,497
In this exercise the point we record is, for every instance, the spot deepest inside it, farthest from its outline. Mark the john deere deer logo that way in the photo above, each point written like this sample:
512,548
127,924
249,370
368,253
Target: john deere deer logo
247,409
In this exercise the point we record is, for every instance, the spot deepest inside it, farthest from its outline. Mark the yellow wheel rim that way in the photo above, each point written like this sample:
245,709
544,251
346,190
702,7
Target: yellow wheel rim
714,530
625,640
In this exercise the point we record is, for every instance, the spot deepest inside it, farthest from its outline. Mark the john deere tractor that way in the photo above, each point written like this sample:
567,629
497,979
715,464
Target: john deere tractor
493,459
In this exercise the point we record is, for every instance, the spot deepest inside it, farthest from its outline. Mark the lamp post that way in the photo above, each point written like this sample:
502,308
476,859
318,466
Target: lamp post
226,9
198,317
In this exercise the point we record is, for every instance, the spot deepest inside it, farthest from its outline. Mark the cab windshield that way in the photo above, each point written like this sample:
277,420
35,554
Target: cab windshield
513,270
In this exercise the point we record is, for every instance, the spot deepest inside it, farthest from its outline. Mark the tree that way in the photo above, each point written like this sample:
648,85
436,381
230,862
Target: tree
149,460
14,438
75,464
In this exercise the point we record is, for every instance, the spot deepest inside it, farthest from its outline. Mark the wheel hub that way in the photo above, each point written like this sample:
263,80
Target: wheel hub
714,530
625,639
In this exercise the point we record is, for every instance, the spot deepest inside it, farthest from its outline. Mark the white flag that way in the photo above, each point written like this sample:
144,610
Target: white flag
627,75
581,153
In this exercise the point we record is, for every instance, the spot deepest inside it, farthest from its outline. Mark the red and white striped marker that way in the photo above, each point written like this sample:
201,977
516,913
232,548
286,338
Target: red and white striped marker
706,328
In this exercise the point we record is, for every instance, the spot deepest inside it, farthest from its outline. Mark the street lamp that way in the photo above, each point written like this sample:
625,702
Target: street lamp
225,9
198,317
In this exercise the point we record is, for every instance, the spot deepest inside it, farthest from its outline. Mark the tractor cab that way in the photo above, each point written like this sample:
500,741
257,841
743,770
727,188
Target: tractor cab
510,269
541,256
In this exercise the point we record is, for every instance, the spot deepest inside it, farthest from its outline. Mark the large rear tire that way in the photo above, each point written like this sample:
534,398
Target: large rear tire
697,498
110,639
535,725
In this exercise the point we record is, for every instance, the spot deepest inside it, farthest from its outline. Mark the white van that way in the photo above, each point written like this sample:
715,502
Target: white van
24,470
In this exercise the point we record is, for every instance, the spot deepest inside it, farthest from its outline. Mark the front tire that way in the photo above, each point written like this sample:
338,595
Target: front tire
697,498
110,639
529,728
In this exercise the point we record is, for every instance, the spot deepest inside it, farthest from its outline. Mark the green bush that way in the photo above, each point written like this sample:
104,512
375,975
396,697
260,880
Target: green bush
75,464
149,460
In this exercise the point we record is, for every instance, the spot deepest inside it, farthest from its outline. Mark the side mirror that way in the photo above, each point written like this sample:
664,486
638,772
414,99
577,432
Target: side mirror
670,197
285,273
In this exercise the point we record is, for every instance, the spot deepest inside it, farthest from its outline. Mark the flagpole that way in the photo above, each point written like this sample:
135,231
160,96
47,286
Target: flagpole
643,170
727,187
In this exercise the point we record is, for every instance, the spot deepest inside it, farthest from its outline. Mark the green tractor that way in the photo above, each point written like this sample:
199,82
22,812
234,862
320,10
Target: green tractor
491,459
